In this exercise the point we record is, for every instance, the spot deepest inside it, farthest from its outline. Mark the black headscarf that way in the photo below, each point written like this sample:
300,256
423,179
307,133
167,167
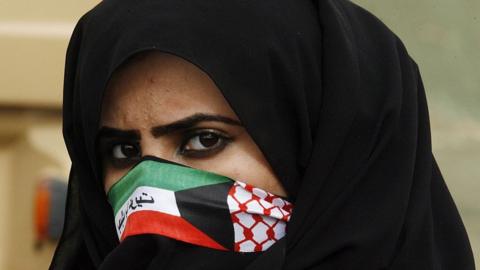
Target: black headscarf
330,96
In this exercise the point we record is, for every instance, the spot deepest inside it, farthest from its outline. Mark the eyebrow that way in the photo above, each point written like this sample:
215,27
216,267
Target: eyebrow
191,121
157,131
109,132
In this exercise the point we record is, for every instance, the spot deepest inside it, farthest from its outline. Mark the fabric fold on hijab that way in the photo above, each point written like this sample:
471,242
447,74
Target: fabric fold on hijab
330,96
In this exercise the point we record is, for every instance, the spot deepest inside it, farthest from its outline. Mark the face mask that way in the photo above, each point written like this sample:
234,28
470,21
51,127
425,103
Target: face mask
202,208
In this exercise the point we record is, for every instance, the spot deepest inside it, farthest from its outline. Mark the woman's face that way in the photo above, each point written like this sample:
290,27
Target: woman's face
162,105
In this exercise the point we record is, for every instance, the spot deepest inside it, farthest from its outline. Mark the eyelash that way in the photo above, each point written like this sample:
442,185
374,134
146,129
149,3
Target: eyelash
222,142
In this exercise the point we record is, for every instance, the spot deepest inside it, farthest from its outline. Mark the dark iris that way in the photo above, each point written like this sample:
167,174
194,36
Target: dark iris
203,144
129,150
208,139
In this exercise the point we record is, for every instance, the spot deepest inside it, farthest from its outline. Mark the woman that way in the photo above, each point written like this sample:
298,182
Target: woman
330,117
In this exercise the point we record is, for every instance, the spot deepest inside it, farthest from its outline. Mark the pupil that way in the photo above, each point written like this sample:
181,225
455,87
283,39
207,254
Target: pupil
208,140
129,150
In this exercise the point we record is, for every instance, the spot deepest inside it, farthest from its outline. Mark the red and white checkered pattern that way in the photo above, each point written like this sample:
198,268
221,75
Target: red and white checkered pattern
259,217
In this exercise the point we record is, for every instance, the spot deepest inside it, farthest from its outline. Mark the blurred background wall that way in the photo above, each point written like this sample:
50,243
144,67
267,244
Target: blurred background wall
33,40
443,36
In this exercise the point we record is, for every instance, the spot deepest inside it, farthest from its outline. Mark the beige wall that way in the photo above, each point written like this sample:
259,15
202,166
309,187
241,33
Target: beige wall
4,209
33,40
32,152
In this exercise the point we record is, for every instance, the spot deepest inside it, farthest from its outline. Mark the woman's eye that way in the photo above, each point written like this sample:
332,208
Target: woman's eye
204,142
124,151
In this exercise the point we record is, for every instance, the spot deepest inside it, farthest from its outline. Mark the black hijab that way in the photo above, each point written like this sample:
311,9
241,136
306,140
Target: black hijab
330,96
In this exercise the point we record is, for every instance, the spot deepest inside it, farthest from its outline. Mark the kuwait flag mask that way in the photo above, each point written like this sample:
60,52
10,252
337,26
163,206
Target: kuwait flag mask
162,197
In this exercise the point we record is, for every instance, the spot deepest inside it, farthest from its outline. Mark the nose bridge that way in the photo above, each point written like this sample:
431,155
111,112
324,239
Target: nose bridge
157,147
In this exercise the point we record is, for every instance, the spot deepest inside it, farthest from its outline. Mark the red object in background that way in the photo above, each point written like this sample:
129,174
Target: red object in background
42,205
49,206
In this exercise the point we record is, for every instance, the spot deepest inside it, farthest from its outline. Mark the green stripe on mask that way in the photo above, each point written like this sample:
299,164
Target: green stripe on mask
160,175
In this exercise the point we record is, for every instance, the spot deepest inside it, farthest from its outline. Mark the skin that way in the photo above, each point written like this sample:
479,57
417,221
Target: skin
156,88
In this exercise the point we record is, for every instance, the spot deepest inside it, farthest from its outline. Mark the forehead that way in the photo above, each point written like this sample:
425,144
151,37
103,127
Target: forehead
159,87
